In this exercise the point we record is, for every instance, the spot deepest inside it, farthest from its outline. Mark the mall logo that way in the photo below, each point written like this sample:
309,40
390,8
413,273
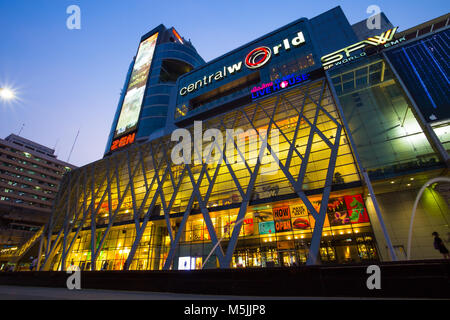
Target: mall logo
255,59
258,57
343,56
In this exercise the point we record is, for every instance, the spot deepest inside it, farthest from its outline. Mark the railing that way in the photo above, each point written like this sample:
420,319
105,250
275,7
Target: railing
16,253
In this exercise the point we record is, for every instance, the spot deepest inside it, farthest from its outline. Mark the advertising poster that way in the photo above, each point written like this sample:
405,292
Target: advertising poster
267,227
299,210
247,227
299,215
262,215
337,212
282,219
302,219
356,209
301,223
131,107
312,221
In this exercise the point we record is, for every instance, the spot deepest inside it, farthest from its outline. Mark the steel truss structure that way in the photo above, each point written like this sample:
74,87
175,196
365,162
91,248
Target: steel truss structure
311,135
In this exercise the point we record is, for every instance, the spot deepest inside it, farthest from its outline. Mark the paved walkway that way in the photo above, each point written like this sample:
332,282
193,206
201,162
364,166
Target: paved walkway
42,293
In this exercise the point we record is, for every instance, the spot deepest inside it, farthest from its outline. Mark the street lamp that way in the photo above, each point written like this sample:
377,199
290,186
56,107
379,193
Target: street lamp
7,94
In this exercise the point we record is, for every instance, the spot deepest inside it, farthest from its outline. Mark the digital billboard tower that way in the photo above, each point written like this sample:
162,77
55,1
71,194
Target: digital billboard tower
131,108
125,131
163,55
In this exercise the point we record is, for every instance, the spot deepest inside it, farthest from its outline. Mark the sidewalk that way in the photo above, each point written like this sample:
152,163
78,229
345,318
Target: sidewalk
40,293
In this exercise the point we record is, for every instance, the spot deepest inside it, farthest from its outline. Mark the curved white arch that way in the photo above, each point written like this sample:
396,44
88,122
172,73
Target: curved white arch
419,195
218,242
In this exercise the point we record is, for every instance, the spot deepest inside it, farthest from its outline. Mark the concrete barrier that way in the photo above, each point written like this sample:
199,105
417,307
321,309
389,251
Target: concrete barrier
412,279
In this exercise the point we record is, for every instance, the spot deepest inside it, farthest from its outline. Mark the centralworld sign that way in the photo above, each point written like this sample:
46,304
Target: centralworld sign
255,59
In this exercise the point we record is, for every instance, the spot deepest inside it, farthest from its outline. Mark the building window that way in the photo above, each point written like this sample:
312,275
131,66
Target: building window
172,69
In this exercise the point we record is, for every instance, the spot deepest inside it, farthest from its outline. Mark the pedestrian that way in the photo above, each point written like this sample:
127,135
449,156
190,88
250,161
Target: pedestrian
33,264
439,245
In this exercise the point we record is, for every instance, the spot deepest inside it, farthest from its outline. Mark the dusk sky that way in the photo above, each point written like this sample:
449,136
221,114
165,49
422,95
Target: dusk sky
70,80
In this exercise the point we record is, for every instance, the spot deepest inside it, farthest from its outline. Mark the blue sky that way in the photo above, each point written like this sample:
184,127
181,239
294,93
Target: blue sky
68,80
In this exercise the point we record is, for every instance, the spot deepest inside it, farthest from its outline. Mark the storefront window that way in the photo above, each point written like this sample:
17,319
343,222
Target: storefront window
277,234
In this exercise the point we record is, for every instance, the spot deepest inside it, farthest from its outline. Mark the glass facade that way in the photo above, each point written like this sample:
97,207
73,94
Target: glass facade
259,244
172,60
424,69
116,247
180,212
388,138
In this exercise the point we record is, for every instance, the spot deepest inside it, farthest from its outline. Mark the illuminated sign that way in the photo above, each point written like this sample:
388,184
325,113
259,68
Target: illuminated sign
123,141
282,218
177,35
343,56
255,59
184,263
258,57
218,75
132,103
279,84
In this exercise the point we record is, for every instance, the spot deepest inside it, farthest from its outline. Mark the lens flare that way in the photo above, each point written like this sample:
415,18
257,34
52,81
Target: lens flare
7,94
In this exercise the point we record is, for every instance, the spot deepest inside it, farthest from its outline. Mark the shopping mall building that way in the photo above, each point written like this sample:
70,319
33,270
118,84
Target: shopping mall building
334,129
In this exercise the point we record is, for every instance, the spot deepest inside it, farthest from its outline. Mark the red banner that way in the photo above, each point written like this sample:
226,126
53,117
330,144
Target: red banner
356,209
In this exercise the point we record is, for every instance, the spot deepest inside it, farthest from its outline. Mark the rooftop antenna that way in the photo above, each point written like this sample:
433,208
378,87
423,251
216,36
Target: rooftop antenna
73,146
20,131
54,148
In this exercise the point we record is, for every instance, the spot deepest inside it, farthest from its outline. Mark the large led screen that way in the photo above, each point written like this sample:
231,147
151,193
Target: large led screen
424,68
131,107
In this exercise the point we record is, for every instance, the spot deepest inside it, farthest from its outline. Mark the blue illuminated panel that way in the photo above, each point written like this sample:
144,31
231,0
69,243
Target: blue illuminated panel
423,66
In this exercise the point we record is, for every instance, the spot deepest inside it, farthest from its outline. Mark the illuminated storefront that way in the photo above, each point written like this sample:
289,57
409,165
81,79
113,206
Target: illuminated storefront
327,129
273,232
264,240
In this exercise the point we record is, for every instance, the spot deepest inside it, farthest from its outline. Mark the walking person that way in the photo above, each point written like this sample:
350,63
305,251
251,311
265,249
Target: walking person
439,245
31,264
34,264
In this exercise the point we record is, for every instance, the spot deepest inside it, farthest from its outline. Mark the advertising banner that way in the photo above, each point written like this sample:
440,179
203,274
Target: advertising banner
337,212
131,107
267,227
282,219
356,209
302,219
247,227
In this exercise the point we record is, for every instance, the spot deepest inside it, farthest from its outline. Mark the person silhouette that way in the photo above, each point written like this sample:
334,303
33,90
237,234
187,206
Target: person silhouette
439,245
